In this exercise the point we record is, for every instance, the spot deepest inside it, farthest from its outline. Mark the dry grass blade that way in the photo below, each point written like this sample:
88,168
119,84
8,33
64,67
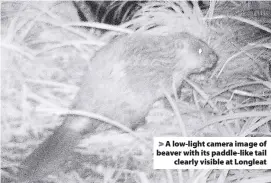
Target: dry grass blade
75,44
254,126
241,19
99,26
257,179
234,116
202,94
229,88
201,176
12,27
253,104
52,83
25,28
101,118
244,50
169,176
222,177
18,49
143,177
177,113
203,118
67,28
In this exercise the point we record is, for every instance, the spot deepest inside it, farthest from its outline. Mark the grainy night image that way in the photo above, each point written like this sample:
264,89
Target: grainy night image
86,85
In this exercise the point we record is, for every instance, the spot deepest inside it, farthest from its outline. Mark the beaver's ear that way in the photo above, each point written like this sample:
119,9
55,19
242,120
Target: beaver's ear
179,45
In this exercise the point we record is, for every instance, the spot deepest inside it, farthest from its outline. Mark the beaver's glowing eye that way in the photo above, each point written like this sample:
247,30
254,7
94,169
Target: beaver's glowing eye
200,51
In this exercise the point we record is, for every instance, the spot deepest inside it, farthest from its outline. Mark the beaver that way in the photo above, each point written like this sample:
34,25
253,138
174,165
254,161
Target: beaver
122,82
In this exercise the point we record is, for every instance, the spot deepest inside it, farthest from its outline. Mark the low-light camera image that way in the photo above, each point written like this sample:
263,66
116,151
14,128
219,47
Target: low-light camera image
86,86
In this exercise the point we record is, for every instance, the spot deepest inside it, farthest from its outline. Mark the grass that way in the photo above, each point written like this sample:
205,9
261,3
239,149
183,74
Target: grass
44,53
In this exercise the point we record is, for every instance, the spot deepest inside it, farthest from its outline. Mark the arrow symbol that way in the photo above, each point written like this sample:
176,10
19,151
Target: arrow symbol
161,144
